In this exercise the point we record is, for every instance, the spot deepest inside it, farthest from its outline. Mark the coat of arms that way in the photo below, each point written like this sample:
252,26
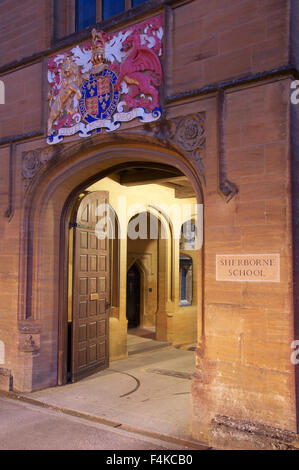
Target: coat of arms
113,79
99,97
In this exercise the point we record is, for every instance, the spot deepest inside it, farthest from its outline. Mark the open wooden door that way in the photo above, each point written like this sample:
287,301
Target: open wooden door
91,285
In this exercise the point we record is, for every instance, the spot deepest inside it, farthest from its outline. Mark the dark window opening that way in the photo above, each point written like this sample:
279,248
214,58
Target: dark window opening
186,281
89,12
137,2
86,13
112,8
188,236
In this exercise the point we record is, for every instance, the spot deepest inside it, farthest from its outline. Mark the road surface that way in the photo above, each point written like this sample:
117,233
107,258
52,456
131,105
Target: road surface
28,427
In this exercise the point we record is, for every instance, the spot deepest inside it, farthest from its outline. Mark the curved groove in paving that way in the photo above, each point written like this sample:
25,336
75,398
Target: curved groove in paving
132,376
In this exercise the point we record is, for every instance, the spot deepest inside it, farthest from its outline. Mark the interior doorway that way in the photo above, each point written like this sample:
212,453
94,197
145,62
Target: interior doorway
133,297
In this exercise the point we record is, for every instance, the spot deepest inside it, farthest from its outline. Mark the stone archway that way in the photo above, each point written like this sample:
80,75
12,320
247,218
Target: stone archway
46,211
151,257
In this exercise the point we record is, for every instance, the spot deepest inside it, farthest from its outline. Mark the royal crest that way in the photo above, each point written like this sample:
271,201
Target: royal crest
114,78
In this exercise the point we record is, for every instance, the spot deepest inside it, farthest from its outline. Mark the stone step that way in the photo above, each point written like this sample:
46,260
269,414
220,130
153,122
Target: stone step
147,347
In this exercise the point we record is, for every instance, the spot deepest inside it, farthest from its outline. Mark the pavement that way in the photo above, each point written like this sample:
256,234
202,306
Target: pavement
147,393
27,427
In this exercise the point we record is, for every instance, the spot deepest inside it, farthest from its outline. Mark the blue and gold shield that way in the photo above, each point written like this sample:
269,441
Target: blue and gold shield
99,97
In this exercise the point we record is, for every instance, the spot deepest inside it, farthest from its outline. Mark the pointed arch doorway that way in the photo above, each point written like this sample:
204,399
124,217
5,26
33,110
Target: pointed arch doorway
158,291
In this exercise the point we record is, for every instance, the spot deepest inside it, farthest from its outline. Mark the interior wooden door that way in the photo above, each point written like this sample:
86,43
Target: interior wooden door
91,286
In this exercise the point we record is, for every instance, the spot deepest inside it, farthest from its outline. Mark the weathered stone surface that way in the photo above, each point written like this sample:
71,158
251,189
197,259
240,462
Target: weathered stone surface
6,380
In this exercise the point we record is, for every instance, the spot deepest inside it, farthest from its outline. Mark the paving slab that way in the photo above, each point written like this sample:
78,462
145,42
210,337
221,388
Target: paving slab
149,390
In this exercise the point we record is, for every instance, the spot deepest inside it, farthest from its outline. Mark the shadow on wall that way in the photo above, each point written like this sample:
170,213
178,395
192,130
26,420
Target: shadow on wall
2,353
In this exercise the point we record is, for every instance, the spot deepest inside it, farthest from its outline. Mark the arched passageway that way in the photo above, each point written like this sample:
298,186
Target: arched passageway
49,213
125,265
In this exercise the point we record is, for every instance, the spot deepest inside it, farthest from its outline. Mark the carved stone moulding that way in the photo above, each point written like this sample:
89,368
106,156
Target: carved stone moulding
190,132
29,336
29,327
31,163
228,189
190,136
28,345
187,134
6,380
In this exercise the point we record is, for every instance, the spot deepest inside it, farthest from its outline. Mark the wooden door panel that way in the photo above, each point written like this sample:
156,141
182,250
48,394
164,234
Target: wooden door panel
82,358
102,244
83,309
92,353
101,328
93,263
82,333
93,285
90,292
102,285
92,308
83,281
101,351
92,330
83,240
93,241
102,306
83,263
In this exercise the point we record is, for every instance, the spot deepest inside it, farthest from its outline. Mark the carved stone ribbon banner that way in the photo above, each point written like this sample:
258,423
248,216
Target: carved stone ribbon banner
111,79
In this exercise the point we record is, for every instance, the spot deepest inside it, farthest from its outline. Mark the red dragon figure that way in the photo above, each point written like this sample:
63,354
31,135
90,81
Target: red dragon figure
142,71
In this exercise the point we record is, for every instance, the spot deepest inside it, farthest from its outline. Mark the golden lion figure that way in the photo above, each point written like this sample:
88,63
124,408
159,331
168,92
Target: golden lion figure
70,86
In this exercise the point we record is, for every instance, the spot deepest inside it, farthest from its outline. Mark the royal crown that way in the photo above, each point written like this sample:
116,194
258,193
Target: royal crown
98,47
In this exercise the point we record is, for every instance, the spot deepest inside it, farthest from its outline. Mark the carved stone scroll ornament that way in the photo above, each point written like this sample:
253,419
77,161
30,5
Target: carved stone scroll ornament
32,161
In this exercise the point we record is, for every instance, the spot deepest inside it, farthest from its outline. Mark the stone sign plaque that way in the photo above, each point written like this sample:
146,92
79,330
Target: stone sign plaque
248,268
